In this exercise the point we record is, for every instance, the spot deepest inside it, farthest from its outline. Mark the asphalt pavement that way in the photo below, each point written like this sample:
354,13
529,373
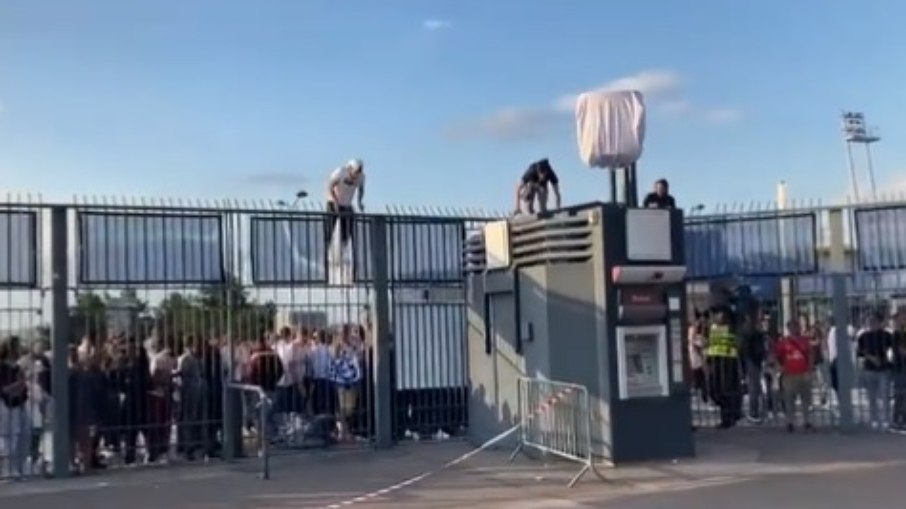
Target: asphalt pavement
743,469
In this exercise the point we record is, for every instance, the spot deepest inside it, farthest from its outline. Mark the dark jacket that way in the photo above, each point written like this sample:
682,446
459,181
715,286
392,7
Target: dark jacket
753,346
267,369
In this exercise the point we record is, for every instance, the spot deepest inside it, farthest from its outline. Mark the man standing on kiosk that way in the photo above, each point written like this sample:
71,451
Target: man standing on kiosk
534,184
723,370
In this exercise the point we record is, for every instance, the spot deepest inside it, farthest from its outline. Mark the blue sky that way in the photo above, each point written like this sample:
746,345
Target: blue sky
446,101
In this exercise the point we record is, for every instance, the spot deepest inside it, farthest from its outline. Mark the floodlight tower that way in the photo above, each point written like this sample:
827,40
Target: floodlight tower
855,132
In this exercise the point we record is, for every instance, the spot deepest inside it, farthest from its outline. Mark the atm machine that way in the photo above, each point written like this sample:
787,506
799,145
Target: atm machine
650,406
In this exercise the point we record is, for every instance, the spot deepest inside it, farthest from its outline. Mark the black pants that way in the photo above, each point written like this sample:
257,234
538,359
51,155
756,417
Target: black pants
726,388
343,215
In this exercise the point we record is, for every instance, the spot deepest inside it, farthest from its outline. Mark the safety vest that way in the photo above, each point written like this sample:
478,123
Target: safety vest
721,342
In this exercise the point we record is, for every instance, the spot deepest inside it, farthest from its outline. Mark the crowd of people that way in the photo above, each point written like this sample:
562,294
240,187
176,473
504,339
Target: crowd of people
780,374
134,401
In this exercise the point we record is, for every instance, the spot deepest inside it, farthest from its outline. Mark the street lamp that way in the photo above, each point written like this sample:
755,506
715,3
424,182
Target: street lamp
300,195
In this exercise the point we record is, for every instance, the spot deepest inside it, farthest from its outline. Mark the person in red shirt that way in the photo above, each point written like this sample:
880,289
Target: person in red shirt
794,355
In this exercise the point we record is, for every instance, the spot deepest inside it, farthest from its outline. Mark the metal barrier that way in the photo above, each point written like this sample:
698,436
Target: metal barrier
555,419
264,405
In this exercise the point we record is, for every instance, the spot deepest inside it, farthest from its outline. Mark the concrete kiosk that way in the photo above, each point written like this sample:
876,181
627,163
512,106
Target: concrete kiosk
592,295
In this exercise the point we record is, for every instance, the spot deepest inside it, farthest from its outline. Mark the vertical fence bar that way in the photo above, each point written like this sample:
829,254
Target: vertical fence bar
60,331
844,361
232,400
383,390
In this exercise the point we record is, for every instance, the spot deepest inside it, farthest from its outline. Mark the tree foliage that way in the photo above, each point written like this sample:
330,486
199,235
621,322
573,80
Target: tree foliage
212,310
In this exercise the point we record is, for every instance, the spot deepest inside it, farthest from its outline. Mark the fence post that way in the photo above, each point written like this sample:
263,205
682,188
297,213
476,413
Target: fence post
60,340
844,360
232,400
383,390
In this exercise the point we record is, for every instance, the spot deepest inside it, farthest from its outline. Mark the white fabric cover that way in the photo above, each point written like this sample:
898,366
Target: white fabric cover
610,126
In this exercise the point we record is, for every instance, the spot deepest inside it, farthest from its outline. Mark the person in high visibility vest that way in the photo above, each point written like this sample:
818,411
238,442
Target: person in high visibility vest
722,360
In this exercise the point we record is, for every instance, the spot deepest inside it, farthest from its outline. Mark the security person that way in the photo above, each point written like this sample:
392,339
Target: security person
722,360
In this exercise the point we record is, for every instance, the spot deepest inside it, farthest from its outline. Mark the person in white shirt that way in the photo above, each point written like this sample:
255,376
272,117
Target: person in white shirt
344,184
323,398
293,356
831,345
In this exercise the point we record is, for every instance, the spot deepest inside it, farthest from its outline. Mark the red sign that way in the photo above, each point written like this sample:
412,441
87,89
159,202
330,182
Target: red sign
641,296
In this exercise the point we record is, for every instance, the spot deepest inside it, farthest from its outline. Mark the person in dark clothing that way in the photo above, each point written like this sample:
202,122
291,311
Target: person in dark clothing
212,365
722,360
660,198
88,405
14,425
898,370
753,351
266,371
871,351
534,184
130,378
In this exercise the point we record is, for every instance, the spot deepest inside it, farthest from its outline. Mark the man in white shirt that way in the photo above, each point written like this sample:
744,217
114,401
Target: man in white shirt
344,184
851,334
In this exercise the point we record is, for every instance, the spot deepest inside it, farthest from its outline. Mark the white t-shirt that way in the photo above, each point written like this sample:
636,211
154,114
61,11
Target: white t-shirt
292,355
832,340
347,185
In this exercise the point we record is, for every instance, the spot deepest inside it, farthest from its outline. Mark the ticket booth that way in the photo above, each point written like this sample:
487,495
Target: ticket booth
592,295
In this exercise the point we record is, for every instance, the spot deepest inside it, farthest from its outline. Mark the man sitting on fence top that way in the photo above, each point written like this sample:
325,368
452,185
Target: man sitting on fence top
344,183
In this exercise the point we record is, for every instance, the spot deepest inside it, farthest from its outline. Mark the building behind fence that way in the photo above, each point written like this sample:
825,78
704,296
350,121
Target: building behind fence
224,276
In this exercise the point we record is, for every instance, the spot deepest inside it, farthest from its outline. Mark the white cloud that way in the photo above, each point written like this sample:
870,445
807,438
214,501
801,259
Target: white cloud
677,106
654,84
722,116
436,24
663,90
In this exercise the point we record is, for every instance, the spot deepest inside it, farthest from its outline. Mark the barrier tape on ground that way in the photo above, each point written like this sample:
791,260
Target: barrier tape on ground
542,408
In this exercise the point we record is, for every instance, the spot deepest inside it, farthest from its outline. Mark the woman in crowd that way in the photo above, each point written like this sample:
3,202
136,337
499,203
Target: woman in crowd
36,367
346,372
698,341
15,429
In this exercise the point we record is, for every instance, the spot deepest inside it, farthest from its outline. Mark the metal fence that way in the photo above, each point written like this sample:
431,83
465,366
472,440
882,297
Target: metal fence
123,323
555,419
826,269
130,320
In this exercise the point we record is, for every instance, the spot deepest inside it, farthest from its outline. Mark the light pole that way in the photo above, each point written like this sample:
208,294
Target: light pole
300,195
854,131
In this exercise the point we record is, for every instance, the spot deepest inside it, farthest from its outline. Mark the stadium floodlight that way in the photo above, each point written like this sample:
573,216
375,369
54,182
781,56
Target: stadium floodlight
856,132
